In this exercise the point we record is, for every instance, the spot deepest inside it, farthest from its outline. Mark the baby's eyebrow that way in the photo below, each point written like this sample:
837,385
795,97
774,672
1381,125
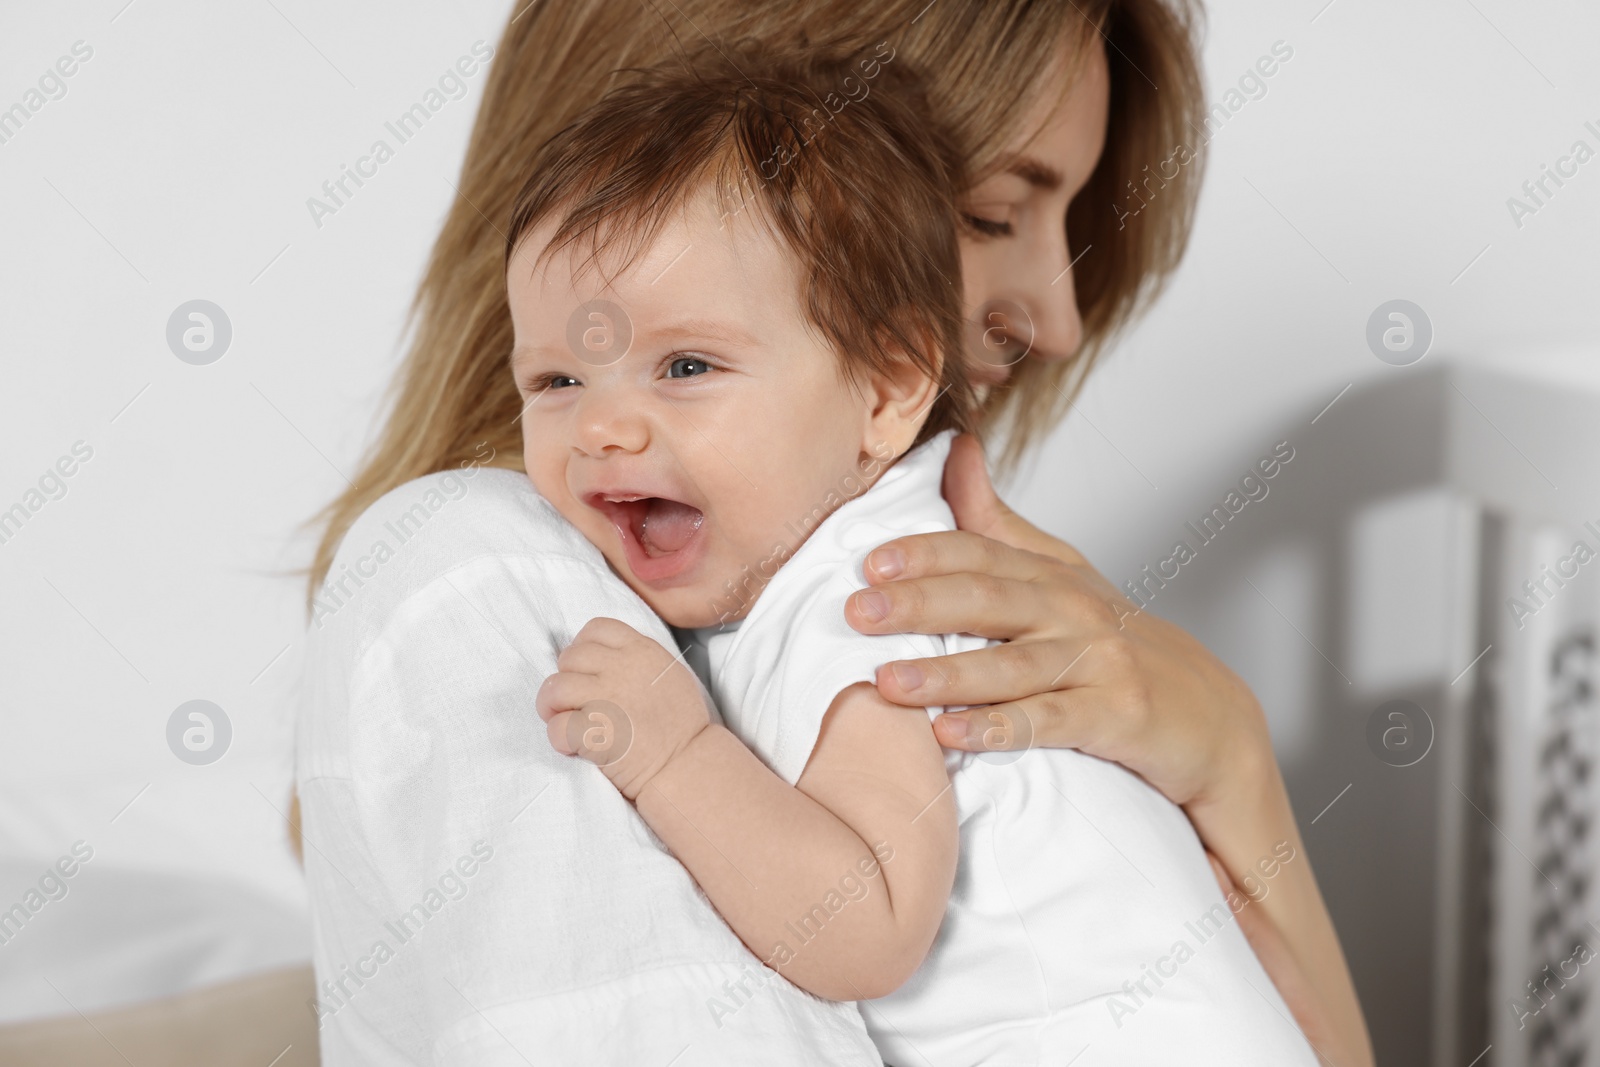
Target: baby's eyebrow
705,329
524,353
670,332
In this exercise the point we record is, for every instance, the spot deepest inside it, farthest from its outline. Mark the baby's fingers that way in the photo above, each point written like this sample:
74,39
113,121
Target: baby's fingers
564,691
612,633
559,730
599,731
586,656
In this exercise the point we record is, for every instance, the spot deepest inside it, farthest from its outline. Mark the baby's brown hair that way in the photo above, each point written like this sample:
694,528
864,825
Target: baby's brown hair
839,156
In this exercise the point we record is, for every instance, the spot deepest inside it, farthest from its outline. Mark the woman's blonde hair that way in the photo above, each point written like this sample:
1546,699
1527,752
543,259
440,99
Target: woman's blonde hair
983,63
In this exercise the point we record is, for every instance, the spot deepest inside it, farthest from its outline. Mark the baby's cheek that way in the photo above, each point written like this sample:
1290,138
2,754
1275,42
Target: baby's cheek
549,482
590,523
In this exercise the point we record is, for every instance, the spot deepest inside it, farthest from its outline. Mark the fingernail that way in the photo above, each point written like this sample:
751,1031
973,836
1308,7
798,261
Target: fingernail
909,675
954,728
874,604
888,562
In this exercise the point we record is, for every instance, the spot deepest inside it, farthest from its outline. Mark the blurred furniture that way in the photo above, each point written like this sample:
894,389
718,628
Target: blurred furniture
152,969
260,1021
1422,547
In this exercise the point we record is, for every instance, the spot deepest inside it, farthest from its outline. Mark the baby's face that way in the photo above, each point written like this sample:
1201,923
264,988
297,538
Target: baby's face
684,415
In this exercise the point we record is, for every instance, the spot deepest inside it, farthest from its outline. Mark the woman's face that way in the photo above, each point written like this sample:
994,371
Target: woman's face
1017,260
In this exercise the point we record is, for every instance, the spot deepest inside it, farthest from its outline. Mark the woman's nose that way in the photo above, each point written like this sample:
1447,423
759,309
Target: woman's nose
1054,328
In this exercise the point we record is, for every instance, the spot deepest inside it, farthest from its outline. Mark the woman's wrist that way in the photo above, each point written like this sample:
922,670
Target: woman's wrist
1242,812
1244,767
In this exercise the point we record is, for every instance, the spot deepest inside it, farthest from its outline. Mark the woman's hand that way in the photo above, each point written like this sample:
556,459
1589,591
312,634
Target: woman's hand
1082,668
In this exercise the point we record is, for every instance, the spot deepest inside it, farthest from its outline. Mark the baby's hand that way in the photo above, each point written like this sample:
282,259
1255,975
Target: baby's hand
623,702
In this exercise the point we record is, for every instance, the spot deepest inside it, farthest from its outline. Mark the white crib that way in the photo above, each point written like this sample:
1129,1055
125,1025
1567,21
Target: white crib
1381,569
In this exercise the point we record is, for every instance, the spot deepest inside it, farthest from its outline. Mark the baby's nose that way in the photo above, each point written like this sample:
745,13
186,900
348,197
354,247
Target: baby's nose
608,422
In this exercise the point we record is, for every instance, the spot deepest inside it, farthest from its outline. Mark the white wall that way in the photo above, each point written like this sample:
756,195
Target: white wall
178,165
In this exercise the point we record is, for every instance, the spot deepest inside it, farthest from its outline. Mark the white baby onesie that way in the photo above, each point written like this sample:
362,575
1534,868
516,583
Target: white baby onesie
1085,925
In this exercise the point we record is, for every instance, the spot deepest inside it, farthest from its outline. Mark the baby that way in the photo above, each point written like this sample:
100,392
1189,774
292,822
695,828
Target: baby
735,290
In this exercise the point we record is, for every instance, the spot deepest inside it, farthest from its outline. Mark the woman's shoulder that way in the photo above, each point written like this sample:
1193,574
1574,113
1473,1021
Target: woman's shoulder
451,522
450,597
484,508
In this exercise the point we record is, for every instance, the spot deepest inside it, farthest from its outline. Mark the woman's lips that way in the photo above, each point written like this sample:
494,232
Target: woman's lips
661,538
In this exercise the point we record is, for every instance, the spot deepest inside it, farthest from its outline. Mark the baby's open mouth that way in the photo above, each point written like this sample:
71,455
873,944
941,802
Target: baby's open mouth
662,526
655,532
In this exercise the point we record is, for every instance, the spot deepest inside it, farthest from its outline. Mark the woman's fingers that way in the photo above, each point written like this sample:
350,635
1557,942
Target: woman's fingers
992,675
956,603
951,552
1065,604
1057,720
968,490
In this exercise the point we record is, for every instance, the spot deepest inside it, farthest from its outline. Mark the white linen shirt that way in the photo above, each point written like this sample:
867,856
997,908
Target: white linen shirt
476,897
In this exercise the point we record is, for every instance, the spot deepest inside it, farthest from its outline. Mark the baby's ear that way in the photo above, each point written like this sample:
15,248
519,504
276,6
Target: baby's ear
901,394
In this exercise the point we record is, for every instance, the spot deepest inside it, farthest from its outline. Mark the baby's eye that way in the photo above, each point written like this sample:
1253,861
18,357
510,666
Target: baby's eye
687,367
551,381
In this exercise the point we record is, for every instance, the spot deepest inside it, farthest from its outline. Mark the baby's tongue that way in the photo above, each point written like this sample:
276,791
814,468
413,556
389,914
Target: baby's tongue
668,525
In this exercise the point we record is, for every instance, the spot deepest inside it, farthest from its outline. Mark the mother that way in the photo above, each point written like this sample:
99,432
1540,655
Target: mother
414,740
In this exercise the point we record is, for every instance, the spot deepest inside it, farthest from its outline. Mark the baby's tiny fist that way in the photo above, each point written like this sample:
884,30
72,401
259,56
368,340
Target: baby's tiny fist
600,732
622,701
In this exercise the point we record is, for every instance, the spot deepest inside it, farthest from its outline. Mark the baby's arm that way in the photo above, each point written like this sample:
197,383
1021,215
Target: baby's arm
839,882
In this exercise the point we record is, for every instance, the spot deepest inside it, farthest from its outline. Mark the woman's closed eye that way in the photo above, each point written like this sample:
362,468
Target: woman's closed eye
988,227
